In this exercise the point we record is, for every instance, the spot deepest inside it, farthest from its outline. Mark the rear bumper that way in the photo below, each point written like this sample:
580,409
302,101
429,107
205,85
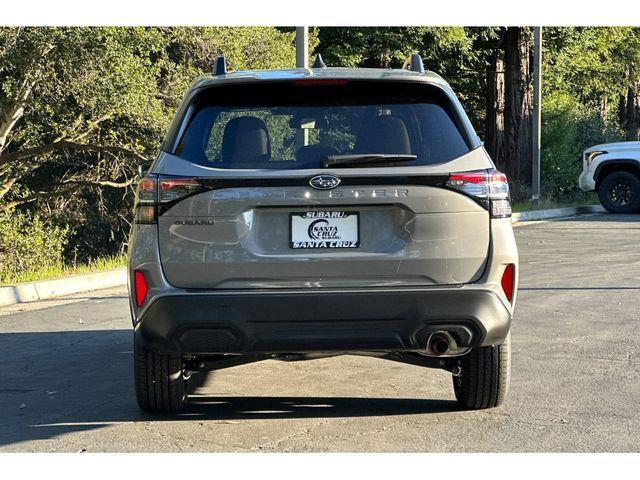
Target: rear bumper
320,321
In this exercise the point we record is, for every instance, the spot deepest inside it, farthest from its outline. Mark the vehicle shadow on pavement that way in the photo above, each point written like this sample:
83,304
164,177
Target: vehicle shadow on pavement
240,408
57,383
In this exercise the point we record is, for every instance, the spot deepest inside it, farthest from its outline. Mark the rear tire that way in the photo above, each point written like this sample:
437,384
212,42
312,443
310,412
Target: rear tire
159,380
619,192
485,376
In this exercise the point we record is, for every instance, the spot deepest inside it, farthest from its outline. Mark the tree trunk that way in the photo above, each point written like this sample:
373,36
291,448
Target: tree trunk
632,113
494,115
603,107
517,106
8,119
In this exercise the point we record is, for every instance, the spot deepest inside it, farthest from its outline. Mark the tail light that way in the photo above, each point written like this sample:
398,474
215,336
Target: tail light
140,287
488,188
155,194
146,201
508,280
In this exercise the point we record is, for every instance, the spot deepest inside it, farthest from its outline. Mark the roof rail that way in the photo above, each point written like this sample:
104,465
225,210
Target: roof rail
414,63
220,66
318,63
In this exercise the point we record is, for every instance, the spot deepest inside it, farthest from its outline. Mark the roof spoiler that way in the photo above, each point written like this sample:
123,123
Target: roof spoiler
414,63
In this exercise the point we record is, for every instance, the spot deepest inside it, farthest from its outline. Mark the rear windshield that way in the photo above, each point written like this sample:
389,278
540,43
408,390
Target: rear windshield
298,125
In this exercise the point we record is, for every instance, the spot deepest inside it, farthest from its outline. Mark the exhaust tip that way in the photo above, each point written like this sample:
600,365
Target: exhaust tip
439,344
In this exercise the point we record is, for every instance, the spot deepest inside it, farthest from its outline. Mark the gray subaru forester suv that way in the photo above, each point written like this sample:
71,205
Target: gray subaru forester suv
296,214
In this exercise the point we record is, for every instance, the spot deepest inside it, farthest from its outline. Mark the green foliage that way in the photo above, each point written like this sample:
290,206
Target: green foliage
82,75
568,128
594,64
47,272
107,86
27,243
586,74
390,46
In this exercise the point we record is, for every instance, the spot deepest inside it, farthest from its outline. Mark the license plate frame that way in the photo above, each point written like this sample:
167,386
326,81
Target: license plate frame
324,220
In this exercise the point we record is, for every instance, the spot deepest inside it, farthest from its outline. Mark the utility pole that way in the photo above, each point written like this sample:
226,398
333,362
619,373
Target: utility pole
537,91
302,47
302,61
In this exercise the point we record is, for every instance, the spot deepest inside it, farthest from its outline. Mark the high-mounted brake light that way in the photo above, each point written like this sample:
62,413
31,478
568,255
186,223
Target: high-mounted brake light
508,280
489,188
154,192
140,287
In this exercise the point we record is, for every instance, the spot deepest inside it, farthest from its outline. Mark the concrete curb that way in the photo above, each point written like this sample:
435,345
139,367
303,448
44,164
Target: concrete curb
555,213
32,291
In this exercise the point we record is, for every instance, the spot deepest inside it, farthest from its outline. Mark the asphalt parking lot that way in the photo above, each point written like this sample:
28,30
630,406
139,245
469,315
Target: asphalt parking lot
67,383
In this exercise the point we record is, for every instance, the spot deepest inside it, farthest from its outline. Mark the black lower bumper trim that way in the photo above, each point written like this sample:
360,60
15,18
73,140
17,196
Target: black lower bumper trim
294,321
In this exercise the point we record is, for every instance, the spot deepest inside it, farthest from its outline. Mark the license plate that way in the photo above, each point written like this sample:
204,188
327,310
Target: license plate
316,229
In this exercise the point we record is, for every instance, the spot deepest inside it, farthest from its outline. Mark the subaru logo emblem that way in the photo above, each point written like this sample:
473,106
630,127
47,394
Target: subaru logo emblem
324,182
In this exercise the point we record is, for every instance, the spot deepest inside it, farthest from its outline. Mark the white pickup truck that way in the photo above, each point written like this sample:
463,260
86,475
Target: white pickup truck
613,171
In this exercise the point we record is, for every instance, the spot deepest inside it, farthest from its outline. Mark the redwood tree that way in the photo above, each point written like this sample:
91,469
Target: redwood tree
517,105
630,109
494,117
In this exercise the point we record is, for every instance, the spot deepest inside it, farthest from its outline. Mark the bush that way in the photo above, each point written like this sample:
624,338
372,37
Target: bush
568,128
28,244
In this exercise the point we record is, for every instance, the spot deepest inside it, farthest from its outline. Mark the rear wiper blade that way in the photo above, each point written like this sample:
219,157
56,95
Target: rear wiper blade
344,160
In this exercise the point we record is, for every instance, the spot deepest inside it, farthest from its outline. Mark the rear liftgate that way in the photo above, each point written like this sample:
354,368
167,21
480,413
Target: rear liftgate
237,233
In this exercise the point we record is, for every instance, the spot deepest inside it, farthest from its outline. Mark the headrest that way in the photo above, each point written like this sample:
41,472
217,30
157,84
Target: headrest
383,134
245,140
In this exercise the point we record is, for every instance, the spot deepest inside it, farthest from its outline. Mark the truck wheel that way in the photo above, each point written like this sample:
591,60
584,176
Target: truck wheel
619,192
159,380
485,375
